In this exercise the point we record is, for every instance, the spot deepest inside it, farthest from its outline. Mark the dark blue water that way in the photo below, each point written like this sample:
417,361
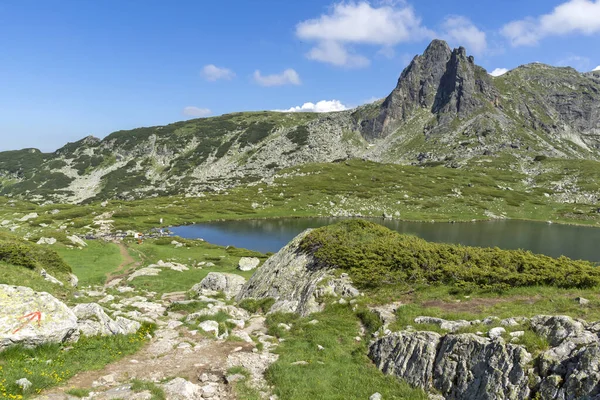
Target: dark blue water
270,235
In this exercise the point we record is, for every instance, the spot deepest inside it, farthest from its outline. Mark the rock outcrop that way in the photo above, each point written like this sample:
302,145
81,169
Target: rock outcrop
214,282
33,318
470,366
295,280
92,320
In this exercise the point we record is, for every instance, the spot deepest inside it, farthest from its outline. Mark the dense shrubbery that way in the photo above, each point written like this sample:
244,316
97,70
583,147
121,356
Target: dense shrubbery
375,256
20,252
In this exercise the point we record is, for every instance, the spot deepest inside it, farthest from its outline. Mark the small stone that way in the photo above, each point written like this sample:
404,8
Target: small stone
517,334
284,326
496,332
248,263
24,384
313,322
376,396
300,363
234,378
321,348
582,301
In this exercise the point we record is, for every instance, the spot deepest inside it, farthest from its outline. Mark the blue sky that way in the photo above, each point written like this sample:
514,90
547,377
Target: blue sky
69,69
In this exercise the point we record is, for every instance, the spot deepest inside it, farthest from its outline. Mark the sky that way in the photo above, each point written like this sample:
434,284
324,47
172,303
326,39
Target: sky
69,69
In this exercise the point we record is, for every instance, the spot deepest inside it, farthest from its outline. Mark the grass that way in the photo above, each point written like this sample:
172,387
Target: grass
241,387
78,392
340,371
53,364
156,392
93,263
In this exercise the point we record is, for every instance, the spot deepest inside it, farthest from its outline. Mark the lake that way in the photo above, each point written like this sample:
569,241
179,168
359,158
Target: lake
270,235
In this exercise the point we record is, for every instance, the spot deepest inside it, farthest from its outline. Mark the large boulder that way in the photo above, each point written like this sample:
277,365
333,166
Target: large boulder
214,282
295,280
19,308
93,321
557,328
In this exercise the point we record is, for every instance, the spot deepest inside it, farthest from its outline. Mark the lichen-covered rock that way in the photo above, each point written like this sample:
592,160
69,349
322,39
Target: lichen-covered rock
77,241
50,278
556,328
459,366
93,321
290,277
248,263
407,355
214,282
468,366
19,319
44,240
451,326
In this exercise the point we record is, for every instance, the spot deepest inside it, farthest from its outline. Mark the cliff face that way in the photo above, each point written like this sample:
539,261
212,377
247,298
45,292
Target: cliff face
444,109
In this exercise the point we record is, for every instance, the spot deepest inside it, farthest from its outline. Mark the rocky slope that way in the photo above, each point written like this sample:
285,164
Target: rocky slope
445,109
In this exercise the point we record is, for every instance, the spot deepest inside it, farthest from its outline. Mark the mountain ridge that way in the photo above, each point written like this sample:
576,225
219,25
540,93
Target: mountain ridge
445,109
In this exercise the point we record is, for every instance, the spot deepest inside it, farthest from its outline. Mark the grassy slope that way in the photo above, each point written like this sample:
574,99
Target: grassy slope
92,263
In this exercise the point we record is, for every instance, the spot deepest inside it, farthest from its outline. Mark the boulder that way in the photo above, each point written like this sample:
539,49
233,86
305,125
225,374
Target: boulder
77,241
295,280
50,278
148,271
19,319
28,217
44,240
93,321
181,389
73,280
248,263
214,282
407,355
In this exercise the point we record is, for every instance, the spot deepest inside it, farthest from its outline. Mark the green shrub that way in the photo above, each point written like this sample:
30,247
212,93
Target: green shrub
22,253
257,305
374,256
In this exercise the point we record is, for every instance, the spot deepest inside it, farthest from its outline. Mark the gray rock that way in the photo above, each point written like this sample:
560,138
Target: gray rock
407,355
73,280
50,278
18,324
451,326
376,396
181,389
232,378
556,328
93,321
290,277
582,301
209,326
44,240
214,282
496,332
471,367
248,263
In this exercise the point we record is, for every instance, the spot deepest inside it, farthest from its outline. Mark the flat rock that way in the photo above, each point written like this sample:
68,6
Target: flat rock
215,282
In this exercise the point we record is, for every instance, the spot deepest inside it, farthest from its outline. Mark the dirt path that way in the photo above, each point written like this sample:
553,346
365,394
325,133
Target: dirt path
126,265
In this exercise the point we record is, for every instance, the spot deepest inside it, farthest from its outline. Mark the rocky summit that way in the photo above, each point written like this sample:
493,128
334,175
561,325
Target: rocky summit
445,109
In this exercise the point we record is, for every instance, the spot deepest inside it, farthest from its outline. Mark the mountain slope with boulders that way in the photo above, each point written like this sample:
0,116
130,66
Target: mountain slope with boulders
445,110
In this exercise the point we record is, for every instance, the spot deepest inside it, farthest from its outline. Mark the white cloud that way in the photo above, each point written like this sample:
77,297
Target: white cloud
573,16
287,77
320,106
360,23
213,73
461,31
499,71
334,53
597,68
197,112
578,62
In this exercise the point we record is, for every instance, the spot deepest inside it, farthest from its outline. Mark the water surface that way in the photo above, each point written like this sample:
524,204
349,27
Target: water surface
577,242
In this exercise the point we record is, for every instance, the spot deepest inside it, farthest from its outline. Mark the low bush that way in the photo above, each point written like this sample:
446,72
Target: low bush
374,256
